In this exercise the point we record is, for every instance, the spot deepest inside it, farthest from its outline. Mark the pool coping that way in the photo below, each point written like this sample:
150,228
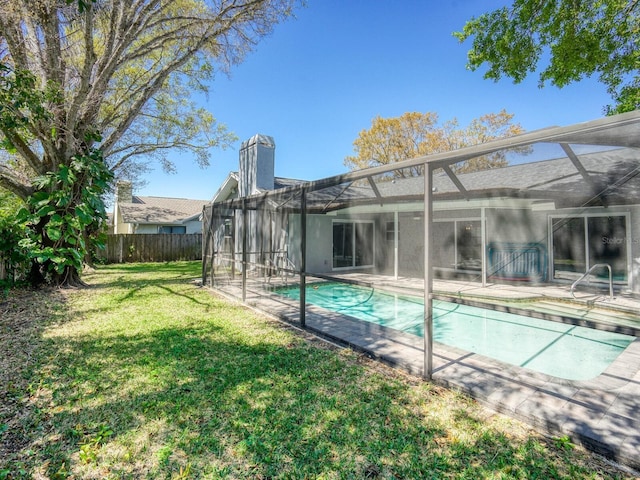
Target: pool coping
599,414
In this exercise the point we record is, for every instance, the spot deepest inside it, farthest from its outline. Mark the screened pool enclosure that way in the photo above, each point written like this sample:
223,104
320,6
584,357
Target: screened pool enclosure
560,221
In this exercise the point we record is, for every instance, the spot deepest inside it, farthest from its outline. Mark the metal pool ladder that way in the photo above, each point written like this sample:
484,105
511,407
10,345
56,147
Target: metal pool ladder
588,272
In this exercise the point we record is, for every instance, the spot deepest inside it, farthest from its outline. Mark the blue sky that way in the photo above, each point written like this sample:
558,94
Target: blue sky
322,77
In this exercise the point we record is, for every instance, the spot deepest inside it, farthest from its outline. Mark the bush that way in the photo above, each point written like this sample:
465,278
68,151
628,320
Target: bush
15,261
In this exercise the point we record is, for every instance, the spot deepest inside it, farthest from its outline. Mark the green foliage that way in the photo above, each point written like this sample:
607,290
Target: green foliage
9,204
12,254
51,227
564,443
66,210
19,98
89,448
22,103
11,232
581,39
83,5
126,69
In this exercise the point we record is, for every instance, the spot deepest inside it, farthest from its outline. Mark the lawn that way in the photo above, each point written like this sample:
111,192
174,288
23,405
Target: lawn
146,375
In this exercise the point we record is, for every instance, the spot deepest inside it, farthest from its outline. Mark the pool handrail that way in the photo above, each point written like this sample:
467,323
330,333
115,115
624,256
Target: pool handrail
588,272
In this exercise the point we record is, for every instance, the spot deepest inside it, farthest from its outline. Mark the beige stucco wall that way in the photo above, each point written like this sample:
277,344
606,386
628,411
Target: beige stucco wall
122,228
139,229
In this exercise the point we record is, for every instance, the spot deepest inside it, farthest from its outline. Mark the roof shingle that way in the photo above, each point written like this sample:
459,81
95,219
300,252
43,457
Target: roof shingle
160,210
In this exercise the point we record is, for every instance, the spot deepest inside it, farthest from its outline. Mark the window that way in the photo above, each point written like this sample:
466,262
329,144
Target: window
391,231
228,227
172,229
352,244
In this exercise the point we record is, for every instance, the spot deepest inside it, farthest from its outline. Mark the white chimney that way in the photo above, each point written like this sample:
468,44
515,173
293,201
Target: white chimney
256,164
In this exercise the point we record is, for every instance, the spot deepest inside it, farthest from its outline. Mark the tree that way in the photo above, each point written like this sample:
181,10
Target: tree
580,39
414,134
102,83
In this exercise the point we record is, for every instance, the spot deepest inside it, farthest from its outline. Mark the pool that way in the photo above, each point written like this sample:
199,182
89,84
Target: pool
565,351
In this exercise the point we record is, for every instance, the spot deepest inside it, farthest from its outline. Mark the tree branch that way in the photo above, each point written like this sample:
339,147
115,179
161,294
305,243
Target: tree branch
87,68
145,149
23,149
12,34
51,47
148,92
12,182
130,22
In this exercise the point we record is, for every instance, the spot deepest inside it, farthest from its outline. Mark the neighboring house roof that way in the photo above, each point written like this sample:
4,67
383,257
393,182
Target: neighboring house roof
160,210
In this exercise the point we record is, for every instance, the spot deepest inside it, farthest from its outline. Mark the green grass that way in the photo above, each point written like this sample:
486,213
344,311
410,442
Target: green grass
145,375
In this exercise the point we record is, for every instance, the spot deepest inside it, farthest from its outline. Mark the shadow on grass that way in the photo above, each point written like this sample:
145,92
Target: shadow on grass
24,316
261,405
133,275
187,396
133,279
227,395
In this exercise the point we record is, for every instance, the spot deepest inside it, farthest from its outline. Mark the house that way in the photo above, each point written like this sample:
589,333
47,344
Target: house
136,214
568,203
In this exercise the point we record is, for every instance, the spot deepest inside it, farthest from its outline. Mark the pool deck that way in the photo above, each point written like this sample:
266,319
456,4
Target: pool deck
601,414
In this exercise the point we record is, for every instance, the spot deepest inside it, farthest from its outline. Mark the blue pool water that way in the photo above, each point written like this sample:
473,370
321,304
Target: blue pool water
558,349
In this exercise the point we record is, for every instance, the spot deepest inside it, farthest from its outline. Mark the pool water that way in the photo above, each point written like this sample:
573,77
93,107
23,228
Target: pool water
565,351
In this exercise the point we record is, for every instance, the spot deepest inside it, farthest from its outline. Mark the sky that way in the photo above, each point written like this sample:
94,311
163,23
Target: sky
322,77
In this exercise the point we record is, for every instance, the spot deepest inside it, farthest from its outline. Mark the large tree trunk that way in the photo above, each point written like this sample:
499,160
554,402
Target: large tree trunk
36,277
57,251
69,278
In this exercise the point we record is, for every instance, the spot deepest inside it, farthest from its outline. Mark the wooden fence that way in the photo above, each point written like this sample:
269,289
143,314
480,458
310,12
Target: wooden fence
159,247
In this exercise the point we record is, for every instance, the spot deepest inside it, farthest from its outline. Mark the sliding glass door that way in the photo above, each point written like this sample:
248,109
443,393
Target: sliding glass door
581,242
458,244
352,244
